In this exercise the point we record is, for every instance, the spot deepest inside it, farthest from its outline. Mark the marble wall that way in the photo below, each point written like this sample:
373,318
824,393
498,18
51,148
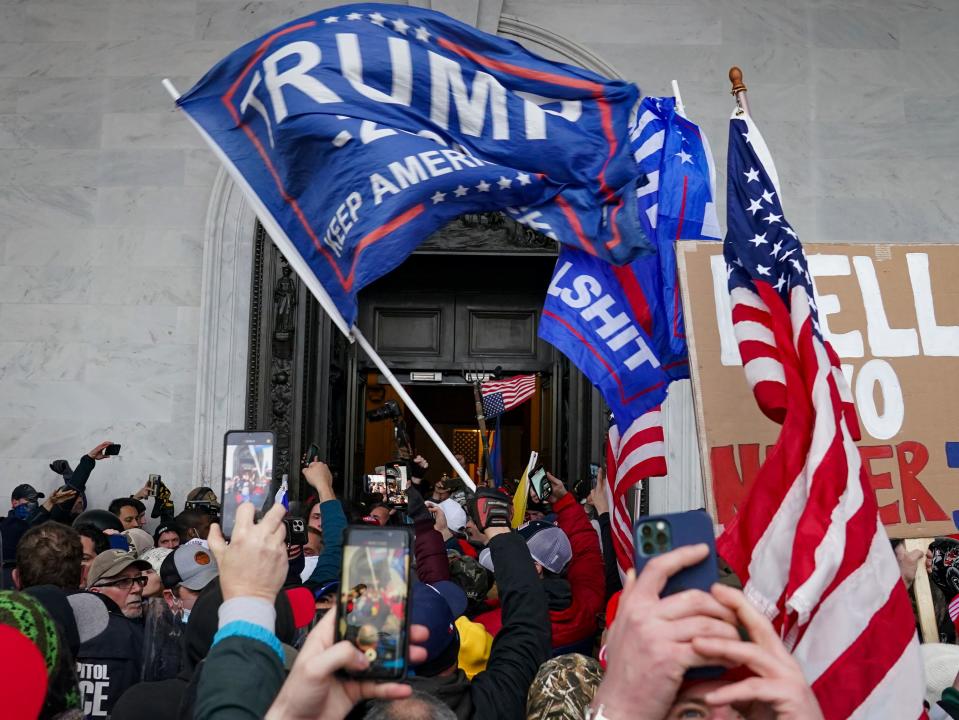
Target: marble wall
104,189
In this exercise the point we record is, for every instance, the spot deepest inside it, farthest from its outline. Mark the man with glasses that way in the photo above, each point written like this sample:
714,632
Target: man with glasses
111,662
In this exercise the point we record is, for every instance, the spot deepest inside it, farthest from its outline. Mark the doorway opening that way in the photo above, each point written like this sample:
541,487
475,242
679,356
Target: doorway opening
451,408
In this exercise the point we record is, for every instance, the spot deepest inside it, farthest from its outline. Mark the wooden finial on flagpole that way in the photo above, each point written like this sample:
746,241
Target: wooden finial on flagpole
739,89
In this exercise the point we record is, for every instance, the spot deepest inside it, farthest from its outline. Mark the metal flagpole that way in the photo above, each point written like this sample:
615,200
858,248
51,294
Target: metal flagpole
739,90
297,262
481,421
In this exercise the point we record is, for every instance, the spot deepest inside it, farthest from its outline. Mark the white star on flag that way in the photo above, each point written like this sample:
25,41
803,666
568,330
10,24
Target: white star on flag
768,196
504,182
746,137
483,186
331,19
754,205
776,248
438,197
753,174
762,269
759,240
354,16
460,191
523,179
400,26
782,281
790,232
377,19
729,271
787,254
684,157
773,218
422,34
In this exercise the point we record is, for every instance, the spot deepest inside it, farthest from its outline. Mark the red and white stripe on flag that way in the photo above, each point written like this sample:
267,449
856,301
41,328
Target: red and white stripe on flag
639,453
807,542
515,390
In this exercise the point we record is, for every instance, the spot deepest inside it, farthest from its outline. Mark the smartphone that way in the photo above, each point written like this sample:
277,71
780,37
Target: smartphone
152,481
593,475
112,449
312,453
296,533
247,473
374,599
657,534
397,481
540,485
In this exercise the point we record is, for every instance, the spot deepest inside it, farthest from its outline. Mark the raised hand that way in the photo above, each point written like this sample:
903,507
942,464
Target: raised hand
314,691
99,452
650,645
779,689
254,564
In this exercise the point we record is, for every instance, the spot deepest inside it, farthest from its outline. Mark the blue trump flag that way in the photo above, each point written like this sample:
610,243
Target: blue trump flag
676,199
598,316
357,131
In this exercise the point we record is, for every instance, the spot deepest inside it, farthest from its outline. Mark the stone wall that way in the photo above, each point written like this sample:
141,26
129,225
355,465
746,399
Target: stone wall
104,189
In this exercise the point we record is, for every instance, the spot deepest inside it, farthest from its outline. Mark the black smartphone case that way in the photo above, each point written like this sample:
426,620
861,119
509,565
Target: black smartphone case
687,528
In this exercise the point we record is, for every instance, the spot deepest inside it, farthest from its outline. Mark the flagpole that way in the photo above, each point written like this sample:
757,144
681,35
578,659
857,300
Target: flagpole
481,421
739,89
286,246
680,108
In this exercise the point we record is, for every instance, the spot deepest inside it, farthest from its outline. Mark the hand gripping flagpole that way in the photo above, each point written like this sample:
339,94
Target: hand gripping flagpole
739,89
296,261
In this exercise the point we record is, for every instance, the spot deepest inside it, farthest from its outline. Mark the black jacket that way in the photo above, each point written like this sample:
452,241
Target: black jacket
110,663
523,644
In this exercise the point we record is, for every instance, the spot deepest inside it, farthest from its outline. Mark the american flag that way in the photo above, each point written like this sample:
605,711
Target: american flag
502,395
807,542
639,453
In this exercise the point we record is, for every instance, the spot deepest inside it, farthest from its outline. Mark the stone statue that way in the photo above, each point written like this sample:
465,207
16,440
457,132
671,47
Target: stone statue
284,300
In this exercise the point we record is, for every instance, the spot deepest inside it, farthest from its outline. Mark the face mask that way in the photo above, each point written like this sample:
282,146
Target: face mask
25,511
185,618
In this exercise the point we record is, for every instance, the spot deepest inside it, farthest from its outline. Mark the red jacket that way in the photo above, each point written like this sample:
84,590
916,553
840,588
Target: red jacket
585,574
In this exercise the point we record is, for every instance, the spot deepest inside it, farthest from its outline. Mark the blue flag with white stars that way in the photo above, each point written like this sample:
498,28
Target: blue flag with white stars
676,198
357,131
760,244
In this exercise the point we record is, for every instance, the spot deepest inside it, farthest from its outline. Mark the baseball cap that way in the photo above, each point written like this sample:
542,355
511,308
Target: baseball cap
302,604
90,613
139,540
111,563
548,545
26,492
203,499
429,606
455,515
191,566
156,556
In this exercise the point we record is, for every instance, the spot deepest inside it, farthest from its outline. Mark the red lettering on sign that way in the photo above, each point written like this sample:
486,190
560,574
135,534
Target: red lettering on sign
916,500
731,484
889,514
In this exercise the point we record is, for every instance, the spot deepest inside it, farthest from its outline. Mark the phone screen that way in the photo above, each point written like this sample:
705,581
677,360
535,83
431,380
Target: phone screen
396,483
593,475
373,604
247,473
536,481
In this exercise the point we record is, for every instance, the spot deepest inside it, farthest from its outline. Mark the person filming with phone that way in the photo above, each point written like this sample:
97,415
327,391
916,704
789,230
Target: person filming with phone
655,641
568,560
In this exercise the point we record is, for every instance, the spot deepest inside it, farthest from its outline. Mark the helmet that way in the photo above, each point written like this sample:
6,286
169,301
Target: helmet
101,519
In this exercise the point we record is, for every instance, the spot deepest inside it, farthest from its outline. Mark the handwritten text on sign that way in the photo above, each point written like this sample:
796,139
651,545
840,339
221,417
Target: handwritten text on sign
892,314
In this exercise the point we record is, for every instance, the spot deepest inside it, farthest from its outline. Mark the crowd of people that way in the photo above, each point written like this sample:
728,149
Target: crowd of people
101,618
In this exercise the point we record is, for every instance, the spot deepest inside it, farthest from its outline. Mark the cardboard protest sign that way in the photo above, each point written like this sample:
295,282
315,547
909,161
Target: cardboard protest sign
892,314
